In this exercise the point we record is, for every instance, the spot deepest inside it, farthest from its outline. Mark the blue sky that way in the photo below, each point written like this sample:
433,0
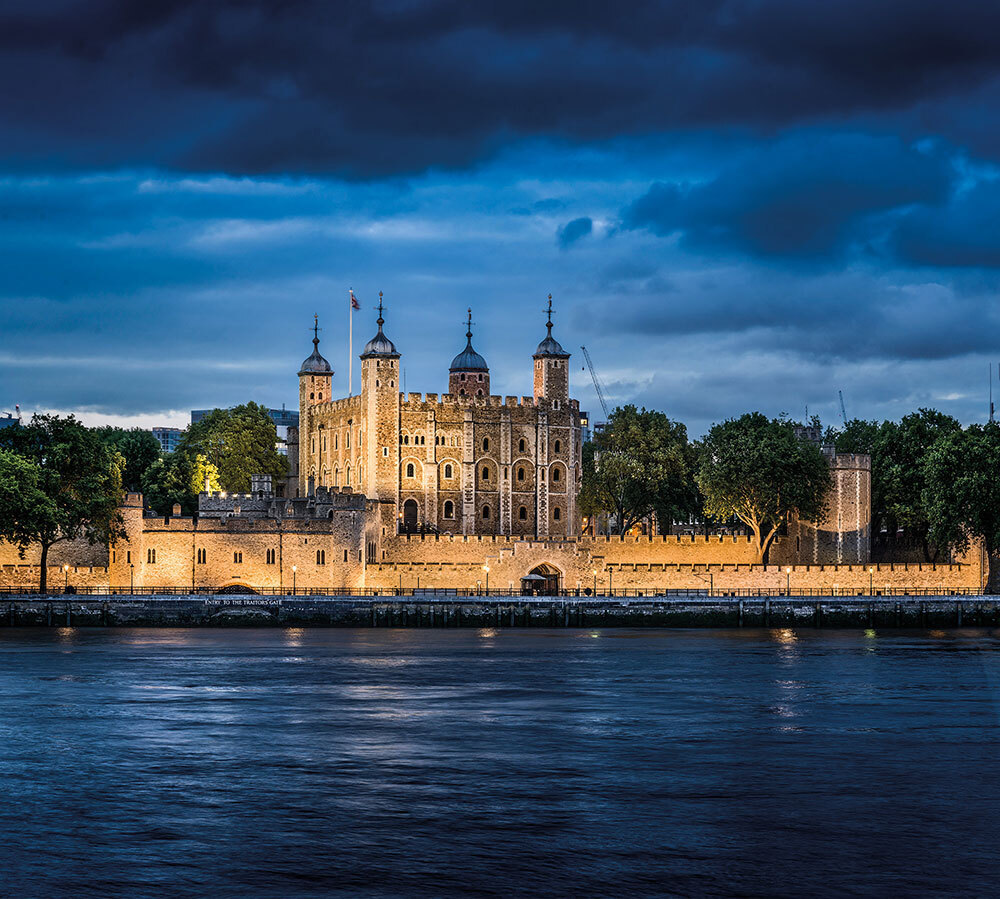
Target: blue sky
736,205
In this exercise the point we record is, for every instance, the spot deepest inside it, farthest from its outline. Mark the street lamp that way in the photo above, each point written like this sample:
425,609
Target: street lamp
594,572
486,568
871,579
66,581
788,582
131,577
294,569
611,589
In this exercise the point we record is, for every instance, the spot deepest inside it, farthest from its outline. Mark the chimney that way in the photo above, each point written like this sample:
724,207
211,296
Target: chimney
312,486
177,510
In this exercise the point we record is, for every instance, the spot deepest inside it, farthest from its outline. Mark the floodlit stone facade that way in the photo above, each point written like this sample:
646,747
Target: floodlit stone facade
463,462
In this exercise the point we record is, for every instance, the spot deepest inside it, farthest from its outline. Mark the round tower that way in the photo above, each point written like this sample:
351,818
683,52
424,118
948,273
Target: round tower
551,366
469,374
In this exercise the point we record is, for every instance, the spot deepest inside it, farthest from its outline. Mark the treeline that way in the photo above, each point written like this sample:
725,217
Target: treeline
935,484
60,480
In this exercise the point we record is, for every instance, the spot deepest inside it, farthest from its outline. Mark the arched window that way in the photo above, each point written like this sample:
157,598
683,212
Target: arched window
486,473
555,474
558,444
520,445
486,512
520,474
347,477
556,513
406,440
522,513
449,509
409,469
461,392
447,471
336,477
478,393
486,444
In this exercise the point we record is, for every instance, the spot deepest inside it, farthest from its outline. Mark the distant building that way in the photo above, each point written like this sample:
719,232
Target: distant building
9,421
169,438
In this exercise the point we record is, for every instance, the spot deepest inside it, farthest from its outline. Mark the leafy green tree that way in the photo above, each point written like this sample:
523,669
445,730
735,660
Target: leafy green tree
638,464
239,442
79,477
898,467
756,469
178,478
961,495
138,447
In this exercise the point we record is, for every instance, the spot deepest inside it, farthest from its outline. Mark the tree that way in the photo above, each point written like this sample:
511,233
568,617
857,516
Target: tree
239,442
961,498
178,478
637,465
79,477
757,469
138,447
898,465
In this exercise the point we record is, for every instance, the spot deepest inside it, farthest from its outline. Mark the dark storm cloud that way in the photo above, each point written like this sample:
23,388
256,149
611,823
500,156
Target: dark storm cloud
573,231
397,87
803,198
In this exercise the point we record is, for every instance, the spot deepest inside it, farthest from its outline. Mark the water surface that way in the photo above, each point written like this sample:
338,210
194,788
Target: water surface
286,763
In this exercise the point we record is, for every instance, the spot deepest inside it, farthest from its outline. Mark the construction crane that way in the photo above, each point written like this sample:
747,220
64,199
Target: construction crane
597,383
843,411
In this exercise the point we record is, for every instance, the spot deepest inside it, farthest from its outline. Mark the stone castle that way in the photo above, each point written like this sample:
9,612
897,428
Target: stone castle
463,462
458,491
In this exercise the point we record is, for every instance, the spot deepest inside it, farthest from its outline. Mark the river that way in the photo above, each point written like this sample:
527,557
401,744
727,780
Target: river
287,763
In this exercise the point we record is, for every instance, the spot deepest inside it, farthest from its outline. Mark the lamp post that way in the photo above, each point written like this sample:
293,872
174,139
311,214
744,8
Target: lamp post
479,588
131,577
594,572
871,581
66,580
294,569
611,589
486,568
788,582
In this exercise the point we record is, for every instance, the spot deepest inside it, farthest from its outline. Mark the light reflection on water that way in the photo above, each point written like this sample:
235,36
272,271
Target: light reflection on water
492,761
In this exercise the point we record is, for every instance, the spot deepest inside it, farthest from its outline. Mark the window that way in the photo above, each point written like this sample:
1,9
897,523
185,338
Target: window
558,444
202,555
480,377
320,556
348,438
237,558
336,477
409,469
406,439
336,441
345,556
447,471
461,392
320,395
128,557
486,473
486,444
556,513
449,509
486,512
520,474
521,445
522,513
555,474
270,556
150,556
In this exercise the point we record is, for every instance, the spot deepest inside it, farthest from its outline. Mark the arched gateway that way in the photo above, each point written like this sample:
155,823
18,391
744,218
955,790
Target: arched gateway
542,580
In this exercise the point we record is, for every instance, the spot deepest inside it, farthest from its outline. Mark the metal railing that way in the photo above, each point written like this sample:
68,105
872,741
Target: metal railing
499,593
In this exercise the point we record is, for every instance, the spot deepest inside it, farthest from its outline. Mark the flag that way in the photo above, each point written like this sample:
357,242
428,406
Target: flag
354,301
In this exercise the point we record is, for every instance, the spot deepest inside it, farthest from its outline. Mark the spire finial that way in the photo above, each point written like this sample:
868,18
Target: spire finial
468,324
316,330
381,321
548,323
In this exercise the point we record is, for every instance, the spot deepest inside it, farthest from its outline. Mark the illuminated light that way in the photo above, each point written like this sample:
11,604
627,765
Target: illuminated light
786,636
788,571
869,634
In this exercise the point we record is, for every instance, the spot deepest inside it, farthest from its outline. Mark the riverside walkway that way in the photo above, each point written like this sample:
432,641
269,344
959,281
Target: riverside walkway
28,610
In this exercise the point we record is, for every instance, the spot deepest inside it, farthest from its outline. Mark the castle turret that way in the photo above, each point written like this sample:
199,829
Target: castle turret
380,400
469,374
315,386
551,366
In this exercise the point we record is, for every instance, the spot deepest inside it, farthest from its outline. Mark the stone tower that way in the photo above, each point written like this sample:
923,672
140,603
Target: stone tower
315,384
551,367
380,408
469,374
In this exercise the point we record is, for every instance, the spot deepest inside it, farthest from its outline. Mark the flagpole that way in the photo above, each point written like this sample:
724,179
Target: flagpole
350,348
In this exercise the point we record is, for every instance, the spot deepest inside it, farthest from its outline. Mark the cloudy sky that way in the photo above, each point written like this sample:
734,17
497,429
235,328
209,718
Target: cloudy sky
736,205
